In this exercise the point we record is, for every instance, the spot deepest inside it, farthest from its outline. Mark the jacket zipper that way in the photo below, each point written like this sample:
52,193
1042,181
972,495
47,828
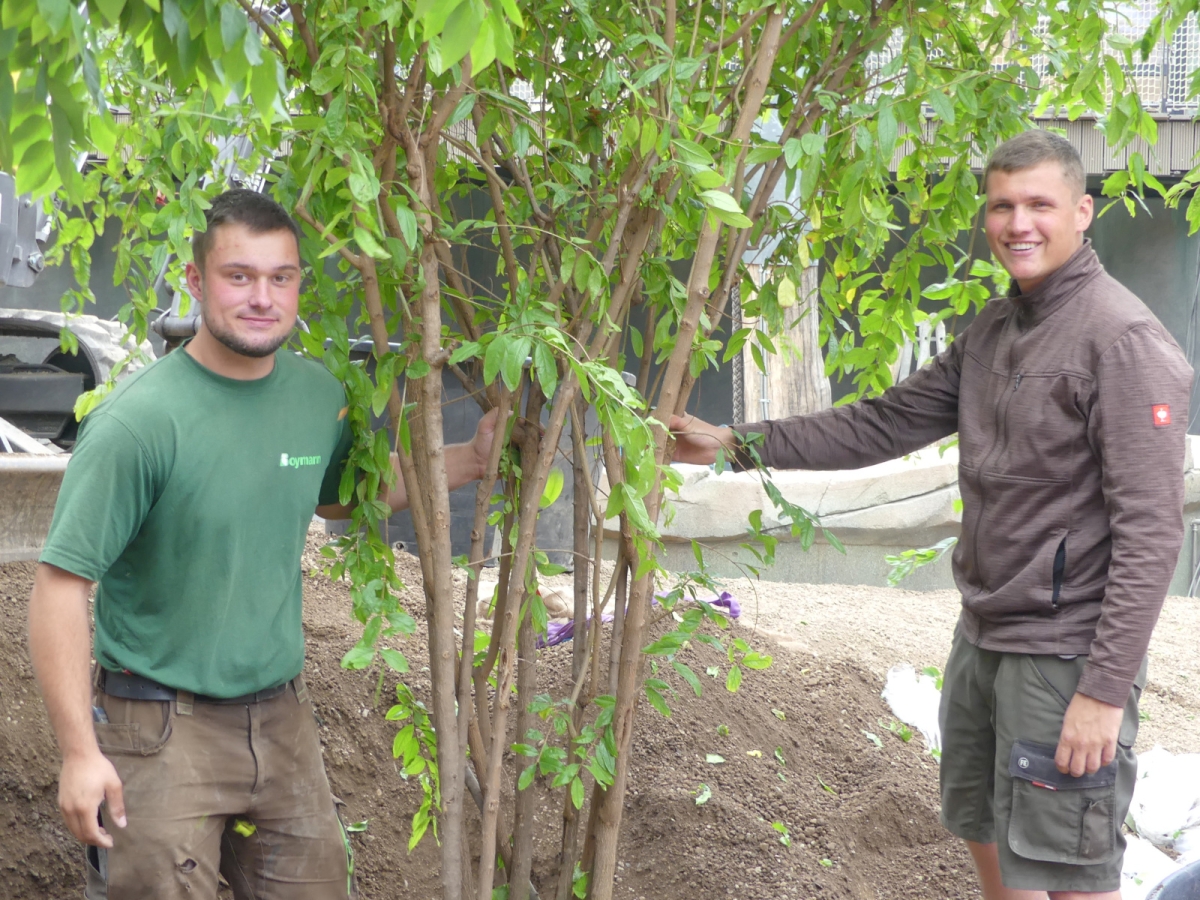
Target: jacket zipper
998,442
1060,567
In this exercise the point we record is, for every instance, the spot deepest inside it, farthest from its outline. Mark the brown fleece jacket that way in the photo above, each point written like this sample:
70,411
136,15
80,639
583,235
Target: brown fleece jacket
1071,407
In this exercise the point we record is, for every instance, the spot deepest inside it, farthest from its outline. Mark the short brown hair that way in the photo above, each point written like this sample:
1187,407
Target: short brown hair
1034,148
256,211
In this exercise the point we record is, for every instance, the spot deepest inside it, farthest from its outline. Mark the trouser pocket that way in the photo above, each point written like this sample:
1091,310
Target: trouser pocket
1058,818
133,727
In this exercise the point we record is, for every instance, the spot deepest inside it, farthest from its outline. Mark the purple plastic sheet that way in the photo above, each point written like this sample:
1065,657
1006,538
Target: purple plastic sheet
558,632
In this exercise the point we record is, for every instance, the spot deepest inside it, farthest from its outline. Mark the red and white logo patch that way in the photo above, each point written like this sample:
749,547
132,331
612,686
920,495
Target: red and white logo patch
1162,414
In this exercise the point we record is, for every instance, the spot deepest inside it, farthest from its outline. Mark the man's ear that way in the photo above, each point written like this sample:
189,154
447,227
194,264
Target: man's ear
1084,212
195,281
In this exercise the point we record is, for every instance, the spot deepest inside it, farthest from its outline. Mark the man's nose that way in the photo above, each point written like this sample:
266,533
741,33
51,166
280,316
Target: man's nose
260,294
1021,220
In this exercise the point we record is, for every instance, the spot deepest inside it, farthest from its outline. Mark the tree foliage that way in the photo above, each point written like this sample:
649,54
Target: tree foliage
625,157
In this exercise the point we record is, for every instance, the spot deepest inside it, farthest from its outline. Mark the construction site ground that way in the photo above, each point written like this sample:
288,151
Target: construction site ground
806,743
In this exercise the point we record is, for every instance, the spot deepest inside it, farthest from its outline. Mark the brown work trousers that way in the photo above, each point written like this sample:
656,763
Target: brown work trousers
211,788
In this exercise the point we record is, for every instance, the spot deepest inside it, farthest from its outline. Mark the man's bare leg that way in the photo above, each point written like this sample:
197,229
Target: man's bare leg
987,864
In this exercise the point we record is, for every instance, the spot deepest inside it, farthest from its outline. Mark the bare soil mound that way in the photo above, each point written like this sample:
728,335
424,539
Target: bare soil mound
861,812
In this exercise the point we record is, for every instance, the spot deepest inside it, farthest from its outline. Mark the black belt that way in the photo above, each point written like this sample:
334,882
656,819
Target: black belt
128,686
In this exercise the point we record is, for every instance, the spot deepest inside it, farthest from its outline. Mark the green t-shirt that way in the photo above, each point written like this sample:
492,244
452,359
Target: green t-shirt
188,498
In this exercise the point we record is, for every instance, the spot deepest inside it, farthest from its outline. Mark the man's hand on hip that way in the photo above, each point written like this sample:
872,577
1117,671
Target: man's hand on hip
86,782
697,442
1089,736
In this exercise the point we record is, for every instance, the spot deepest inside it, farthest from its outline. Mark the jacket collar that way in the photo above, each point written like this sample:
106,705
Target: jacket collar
1059,287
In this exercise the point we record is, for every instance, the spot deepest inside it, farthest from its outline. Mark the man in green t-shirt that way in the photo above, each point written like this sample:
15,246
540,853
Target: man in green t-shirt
187,501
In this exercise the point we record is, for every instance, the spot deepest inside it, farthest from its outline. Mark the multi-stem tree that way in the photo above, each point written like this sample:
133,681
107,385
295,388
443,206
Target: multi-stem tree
619,150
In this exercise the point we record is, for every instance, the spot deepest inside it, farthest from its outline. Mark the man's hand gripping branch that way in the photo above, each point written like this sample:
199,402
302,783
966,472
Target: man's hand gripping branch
697,442
465,463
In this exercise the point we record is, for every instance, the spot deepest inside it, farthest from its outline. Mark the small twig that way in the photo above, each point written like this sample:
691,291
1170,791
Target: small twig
347,254
267,29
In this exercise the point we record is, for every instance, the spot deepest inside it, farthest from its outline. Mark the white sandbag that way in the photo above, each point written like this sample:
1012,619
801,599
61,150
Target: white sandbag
559,602
487,596
1166,801
1144,867
914,699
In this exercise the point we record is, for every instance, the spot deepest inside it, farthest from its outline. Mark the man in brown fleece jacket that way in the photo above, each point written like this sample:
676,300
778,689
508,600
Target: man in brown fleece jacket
1070,401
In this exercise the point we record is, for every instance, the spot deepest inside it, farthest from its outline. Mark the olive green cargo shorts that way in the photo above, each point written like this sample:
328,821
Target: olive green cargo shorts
1001,716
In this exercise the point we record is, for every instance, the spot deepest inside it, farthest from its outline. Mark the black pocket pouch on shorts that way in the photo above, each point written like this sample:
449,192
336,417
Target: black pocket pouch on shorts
1058,818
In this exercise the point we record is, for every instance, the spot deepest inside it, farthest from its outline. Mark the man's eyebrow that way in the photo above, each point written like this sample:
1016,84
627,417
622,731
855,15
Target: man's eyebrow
286,267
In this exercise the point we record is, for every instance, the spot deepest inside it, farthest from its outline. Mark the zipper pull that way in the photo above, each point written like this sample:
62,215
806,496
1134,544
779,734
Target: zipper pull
1017,383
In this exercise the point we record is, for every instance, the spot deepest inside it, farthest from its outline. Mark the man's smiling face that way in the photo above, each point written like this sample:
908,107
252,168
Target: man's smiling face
249,288
1034,221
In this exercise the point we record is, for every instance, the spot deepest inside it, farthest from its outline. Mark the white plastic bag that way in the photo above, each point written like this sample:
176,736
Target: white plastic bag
914,699
1166,801
1144,867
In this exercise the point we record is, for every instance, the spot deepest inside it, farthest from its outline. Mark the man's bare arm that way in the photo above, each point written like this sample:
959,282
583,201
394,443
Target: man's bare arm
464,463
60,647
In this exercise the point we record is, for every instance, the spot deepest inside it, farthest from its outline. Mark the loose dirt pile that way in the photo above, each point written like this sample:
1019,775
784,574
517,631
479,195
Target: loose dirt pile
797,748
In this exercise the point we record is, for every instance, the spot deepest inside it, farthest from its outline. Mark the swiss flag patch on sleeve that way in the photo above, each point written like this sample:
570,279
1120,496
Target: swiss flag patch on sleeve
1162,414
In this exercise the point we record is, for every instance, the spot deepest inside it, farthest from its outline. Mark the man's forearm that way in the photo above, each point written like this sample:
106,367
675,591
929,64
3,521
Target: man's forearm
462,467
60,646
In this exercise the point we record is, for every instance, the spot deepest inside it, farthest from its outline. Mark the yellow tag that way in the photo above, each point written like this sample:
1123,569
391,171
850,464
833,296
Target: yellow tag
244,828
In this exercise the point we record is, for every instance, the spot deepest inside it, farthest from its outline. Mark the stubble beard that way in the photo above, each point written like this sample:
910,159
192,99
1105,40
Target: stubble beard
243,347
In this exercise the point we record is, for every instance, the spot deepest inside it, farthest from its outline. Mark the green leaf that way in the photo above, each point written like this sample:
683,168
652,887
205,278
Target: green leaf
460,33
793,152
358,657
394,659
55,13
691,155
720,200
463,109
36,169
466,350
513,12
649,136
264,88
233,22
369,245
943,106
408,226
714,759
657,701
688,675
516,352
734,680
577,793
703,794
527,776
554,486
887,129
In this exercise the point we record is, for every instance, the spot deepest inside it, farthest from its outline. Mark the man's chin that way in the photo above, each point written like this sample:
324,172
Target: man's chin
254,348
